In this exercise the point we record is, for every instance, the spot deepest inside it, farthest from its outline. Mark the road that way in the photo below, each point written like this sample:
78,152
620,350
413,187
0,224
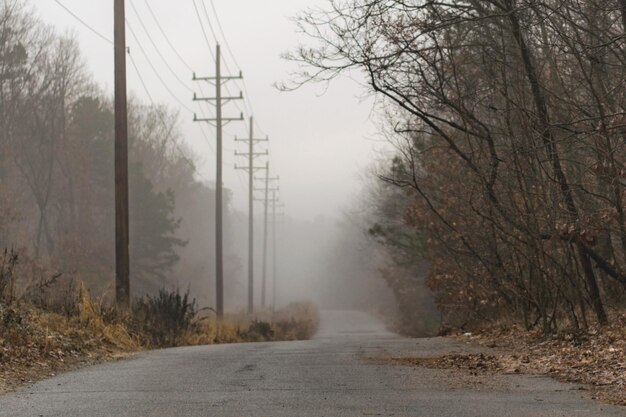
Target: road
332,375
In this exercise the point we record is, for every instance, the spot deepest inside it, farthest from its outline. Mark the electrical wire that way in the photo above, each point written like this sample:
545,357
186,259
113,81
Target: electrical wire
167,39
143,51
182,60
206,14
206,37
143,83
156,48
160,115
232,55
100,35
208,42
219,25
248,103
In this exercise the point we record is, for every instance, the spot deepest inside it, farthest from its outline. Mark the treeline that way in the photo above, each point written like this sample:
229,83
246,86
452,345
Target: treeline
508,120
56,172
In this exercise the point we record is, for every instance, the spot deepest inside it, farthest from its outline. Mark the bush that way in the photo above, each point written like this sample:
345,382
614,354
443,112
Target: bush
257,331
165,318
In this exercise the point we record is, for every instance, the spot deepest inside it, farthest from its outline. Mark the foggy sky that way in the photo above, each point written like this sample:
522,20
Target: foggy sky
318,141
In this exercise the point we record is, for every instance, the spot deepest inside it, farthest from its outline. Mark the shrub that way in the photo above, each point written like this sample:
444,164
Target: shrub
257,331
165,318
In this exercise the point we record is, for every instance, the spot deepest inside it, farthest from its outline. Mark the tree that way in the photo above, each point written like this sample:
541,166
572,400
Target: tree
515,167
153,227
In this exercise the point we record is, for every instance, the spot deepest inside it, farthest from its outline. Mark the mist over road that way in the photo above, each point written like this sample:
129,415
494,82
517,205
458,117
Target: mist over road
331,375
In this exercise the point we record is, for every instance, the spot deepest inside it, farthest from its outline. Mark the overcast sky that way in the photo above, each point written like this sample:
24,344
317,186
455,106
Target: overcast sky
318,142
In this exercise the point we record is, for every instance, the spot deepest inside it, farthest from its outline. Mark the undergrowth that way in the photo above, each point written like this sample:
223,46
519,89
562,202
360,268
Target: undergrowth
46,328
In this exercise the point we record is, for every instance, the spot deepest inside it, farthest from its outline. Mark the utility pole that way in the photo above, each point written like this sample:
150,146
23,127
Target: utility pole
218,101
274,249
251,169
122,257
266,200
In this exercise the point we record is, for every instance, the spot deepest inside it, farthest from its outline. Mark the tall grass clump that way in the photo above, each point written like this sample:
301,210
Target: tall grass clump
165,318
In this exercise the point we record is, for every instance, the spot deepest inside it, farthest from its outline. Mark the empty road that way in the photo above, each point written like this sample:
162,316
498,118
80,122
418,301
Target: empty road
331,375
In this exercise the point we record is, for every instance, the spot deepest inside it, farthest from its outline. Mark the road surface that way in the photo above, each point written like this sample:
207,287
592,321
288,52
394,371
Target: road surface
331,375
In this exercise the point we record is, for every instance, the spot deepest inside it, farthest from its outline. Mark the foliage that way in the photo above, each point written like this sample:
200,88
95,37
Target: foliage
164,318
36,340
57,170
508,121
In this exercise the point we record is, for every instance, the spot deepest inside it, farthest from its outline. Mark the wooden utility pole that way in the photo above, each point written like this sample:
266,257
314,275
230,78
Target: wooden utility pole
251,169
267,188
219,121
266,201
274,249
122,257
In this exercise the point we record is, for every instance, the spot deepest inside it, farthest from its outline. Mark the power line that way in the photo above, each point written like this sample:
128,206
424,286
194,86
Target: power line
103,37
206,13
143,51
219,25
156,48
208,42
206,37
169,42
248,102
100,35
160,116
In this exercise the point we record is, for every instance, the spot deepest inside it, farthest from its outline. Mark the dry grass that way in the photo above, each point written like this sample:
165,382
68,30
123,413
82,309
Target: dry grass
298,321
35,343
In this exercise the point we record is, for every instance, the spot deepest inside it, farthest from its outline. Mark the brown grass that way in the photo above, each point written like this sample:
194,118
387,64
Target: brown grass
298,321
35,343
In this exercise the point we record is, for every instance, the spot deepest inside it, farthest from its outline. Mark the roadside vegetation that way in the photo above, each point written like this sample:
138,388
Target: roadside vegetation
48,328
505,193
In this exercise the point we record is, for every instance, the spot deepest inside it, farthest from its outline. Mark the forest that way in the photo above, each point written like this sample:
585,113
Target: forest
506,184
56,174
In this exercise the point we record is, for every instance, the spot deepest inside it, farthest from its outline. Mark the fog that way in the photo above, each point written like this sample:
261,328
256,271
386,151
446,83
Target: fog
318,136
321,141
335,175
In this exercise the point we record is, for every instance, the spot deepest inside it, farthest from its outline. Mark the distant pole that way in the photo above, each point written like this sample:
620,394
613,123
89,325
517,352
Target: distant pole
273,251
266,202
267,188
219,220
122,257
219,121
275,206
251,169
251,220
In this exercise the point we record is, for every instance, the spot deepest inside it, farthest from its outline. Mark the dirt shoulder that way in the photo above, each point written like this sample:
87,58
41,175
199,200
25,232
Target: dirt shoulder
596,359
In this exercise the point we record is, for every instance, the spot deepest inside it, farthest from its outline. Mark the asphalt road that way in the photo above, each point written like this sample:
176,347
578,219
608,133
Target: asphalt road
331,375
